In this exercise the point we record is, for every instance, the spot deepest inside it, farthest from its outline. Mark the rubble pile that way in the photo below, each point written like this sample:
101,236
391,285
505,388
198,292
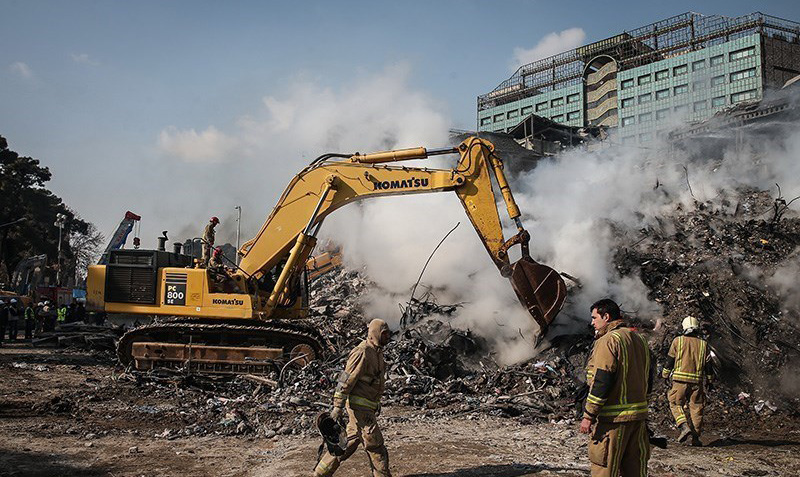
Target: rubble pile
717,261
101,338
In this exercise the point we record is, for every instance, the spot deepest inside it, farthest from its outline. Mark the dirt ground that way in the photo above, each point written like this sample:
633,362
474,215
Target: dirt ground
40,435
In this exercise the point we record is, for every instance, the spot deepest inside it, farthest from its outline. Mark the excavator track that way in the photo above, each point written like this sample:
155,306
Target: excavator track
220,347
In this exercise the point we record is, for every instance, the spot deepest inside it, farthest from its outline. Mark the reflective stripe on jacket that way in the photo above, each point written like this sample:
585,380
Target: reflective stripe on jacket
691,355
623,357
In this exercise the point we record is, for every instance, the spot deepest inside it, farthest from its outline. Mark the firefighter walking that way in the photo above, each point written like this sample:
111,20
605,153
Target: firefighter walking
688,361
358,392
619,376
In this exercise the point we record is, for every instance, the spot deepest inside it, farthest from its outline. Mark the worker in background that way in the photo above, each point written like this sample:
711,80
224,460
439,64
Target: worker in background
40,314
30,319
358,392
13,319
61,314
619,377
689,361
215,264
208,241
3,320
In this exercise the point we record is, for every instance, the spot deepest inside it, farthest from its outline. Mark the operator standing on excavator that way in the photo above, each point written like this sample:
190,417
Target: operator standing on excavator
208,241
359,391
689,360
619,375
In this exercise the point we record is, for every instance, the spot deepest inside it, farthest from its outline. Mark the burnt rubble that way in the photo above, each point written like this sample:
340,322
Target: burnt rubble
713,260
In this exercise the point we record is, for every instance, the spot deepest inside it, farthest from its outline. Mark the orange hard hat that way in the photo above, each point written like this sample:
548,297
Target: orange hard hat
214,219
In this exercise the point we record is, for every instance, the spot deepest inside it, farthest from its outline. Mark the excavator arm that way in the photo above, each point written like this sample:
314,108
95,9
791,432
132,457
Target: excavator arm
289,234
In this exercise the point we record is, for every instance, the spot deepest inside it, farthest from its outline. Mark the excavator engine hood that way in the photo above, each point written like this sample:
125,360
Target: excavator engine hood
540,289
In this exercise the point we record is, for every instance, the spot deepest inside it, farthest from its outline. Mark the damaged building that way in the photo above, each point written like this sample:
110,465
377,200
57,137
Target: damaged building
640,82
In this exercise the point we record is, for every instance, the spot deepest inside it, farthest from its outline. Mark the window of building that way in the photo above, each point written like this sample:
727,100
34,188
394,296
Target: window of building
743,53
573,115
680,89
625,84
681,108
645,98
574,98
698,85
663,74
717,80
556,102
486,120
743,96
558,118
645,79
512,114
662,93
498,117
527,110
699,105
718,101
661,114
541,106
680,70
717,60
626,102
644,137
628,121
738,75
698,65
645,117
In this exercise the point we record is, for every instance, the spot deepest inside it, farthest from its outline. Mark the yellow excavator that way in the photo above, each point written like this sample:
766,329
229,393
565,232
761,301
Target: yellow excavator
253,319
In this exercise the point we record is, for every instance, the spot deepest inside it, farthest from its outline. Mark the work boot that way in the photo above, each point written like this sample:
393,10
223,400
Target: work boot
686,431
696,441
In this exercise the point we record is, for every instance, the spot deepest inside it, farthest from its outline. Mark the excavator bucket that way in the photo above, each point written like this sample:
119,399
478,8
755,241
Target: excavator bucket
540,289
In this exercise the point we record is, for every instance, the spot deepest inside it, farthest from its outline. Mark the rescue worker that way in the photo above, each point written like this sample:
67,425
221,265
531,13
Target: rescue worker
689,361
30,317
208,240
359,392
61,314
619,376
3,320
215,263
13,320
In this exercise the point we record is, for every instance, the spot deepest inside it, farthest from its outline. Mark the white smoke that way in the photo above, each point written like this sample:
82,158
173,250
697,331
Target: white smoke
551,44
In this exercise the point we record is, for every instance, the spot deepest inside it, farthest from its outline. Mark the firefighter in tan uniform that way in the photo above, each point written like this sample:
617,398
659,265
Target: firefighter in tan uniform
208,241
619,376
689,361
359,392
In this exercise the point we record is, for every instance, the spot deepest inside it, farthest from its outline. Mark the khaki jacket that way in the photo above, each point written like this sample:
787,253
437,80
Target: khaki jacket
362,382
690,355
208,234
618,374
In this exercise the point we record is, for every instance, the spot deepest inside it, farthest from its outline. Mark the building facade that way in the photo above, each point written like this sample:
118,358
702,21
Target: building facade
680,70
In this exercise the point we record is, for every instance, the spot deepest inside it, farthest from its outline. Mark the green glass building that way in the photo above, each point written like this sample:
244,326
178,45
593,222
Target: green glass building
680,70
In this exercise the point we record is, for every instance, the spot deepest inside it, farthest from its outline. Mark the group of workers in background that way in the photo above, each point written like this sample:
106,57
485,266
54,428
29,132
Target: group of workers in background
620,374
36,318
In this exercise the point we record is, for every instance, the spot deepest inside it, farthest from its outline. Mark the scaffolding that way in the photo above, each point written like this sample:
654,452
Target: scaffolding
657,41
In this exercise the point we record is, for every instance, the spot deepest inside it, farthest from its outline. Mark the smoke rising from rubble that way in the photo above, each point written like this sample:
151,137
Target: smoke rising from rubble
580,207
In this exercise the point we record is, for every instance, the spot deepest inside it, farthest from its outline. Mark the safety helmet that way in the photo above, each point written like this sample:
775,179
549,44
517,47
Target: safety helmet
214,220
217,251
13,300
690,324
333,434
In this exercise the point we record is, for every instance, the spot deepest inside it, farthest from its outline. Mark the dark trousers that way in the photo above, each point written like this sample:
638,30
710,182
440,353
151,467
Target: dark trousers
28,328
2,332
13,329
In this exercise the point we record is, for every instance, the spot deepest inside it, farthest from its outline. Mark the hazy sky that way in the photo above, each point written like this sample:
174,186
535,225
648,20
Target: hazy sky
179,110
